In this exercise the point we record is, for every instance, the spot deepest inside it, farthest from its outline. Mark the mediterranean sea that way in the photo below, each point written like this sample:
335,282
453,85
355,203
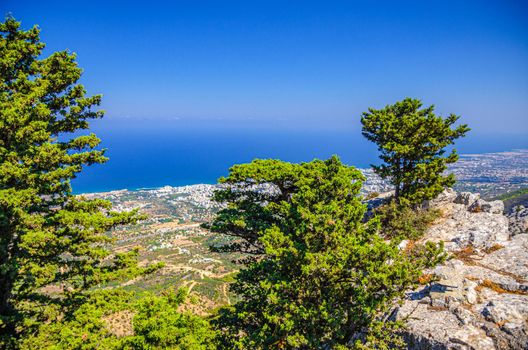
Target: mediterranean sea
152,155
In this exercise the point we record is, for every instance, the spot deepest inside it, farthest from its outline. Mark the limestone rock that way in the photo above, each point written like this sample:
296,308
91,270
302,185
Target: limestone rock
460,228
512,259
479,297
511,309
435,328
494,207
444,198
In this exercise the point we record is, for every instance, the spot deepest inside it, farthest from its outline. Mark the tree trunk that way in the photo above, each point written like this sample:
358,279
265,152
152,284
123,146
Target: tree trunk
398,181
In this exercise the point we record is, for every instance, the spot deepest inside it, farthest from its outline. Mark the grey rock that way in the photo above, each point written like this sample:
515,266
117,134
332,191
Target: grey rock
518,220
445,197
430,327
509,308
512,260
494,207
467,198
459,228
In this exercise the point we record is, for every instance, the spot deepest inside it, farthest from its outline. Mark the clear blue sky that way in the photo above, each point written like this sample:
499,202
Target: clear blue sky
284,63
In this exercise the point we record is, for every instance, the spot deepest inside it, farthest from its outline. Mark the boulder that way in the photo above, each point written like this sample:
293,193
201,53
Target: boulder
510,309
467,198
445,197
494,207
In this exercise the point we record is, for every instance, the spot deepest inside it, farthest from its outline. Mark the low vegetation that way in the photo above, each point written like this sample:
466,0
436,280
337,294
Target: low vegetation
400,221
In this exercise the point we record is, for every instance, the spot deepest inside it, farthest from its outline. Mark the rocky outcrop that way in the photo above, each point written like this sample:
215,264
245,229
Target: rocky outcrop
478,299
462,225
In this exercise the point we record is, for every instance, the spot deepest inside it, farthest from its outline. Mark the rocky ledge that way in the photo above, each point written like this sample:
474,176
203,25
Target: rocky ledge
478,299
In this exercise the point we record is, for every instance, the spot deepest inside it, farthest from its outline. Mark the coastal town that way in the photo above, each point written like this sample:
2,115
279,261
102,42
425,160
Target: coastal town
492,174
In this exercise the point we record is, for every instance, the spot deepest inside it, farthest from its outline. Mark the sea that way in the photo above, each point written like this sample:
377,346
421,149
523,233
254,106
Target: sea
150,155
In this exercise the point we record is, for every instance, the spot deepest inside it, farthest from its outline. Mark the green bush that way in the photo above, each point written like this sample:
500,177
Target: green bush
84,328
159,325
401,221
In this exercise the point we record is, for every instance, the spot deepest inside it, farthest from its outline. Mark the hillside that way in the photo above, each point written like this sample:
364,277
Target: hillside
478,299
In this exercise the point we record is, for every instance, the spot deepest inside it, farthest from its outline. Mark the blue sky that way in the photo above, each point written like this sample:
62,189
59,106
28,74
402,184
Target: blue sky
293,63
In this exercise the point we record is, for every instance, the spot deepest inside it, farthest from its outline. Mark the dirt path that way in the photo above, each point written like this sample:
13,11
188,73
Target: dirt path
201,272
226,293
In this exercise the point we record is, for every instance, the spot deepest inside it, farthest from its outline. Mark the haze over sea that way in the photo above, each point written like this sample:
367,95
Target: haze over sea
146,154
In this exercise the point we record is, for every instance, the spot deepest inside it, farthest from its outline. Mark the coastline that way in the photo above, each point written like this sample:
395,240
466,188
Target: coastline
490,174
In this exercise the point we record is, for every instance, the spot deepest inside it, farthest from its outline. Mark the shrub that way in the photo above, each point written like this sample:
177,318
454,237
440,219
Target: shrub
401,221
159,325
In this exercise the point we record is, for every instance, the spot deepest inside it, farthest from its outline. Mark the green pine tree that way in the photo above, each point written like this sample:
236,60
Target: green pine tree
53,245
412,142
316,274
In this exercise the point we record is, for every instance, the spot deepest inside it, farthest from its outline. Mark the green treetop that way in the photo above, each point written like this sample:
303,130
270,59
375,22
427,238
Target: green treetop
412,142
317,275
53,246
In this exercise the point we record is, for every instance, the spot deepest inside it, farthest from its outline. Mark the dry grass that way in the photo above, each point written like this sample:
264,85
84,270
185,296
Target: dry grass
426,278
466,255
409,247
437,308
493,248
496,288
476,209
120,323
472,278
501,323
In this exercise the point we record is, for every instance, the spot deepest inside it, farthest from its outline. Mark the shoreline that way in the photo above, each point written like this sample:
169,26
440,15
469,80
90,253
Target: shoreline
372,179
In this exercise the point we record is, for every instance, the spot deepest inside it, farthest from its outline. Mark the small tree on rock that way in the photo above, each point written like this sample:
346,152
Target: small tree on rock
412,142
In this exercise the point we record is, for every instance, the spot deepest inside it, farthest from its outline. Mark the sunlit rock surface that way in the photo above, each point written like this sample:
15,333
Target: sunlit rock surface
479,298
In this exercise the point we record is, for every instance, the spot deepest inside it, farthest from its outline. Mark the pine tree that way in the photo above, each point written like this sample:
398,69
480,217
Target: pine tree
53,245
412,142
316,274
